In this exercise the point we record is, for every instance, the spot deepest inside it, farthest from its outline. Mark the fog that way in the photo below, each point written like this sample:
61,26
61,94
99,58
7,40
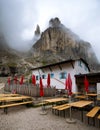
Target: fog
19,18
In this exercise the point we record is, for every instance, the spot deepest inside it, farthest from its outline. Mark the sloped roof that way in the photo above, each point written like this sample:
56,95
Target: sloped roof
62,62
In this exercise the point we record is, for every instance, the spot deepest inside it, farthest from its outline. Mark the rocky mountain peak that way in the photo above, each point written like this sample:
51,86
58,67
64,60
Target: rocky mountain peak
37,31
59,43
54,22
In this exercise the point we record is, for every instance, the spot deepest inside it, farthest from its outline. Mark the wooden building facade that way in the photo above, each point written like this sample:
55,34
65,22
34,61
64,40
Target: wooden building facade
93,79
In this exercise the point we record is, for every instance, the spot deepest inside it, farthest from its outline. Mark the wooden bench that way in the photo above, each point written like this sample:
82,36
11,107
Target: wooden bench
60,108
98,117
14,104
42,103
92,113
63,108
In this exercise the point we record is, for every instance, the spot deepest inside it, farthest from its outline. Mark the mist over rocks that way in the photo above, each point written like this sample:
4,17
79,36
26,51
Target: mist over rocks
11,61
56,43
59,43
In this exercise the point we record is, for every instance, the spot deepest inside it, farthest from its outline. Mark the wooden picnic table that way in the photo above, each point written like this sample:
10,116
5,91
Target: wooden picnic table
92,96
92,113
77,93
54,100
9,95
11,101
80,104
81,97
98,99
8,99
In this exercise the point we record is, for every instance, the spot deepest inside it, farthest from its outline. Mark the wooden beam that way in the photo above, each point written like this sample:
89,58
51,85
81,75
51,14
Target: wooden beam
72,64
42,70
50,68
60,67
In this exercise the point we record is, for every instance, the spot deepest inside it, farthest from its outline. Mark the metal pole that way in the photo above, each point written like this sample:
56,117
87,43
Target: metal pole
70,108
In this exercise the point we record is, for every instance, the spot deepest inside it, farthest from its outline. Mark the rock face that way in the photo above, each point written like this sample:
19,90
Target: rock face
59,43
8,58
37,32
12,61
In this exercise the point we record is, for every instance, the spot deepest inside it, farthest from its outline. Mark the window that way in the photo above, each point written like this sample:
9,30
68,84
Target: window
43,76
80,63
37,77
52,75
85,67
63,75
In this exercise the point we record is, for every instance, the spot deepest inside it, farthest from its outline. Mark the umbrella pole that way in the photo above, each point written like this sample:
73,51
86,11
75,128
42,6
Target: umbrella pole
42,105
70,120
43,109
70,114
70,108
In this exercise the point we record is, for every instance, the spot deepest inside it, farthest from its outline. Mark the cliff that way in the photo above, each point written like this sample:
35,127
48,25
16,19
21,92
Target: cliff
59,43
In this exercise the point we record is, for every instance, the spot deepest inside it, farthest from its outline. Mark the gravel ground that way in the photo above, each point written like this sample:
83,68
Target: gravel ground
2,87
22,118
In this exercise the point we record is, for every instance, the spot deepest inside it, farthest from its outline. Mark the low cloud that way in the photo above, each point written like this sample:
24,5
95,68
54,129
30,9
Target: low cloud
19,18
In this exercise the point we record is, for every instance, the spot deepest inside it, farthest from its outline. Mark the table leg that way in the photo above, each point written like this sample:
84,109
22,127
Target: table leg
5,110
82,115
93,121
88,120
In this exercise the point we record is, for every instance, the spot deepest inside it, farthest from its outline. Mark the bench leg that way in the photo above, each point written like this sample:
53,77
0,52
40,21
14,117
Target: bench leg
93,121
64,113
82,114
5,110
88,120
52,110
58,112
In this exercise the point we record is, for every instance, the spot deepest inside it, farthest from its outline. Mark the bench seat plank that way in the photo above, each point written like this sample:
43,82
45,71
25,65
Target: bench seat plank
15,104
63,108
98,117
93,112
59,106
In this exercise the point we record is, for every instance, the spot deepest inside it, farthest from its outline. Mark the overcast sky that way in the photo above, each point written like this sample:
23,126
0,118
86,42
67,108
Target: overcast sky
19,18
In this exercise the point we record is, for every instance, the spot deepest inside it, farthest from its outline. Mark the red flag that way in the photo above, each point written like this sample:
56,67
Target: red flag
69,83
8,81
21,80
48,80
15,79
41,88
33,80
86,84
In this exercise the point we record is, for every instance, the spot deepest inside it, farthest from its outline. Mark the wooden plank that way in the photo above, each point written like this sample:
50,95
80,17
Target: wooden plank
15,104
81,97
6,99
93,112
98,117
80,104
55,100
91,94
59,106
63,108
9,95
